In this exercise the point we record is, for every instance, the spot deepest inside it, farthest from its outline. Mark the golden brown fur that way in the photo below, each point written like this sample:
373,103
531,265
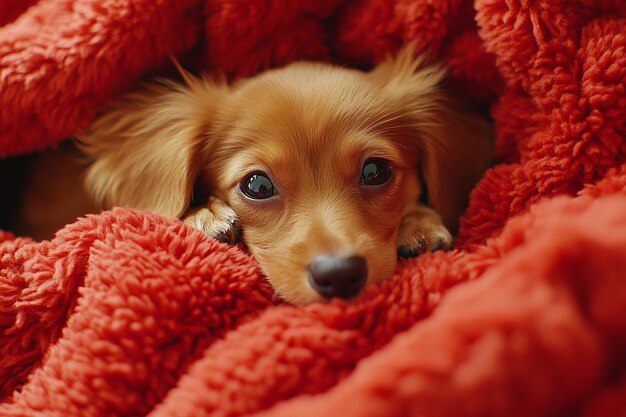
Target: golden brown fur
310,127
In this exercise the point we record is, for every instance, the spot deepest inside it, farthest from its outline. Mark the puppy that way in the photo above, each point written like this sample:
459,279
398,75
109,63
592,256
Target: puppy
325,173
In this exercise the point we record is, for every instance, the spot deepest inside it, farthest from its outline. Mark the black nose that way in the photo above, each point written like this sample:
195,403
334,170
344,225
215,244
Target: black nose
334,276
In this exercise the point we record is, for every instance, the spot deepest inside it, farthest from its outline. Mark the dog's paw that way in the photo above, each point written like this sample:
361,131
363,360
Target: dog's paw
217,219
420,235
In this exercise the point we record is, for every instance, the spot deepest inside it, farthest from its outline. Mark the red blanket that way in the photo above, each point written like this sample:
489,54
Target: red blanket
127,313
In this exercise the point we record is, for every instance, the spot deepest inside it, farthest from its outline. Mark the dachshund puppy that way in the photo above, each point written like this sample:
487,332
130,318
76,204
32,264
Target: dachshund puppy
323,172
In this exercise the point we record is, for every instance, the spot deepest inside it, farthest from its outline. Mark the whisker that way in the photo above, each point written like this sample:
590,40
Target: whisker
384,119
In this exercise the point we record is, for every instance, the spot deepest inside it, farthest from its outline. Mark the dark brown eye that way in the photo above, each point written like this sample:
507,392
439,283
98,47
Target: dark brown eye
376,171
257,186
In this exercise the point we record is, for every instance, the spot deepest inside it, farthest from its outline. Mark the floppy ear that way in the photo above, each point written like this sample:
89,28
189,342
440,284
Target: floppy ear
455,153
452,143
146,151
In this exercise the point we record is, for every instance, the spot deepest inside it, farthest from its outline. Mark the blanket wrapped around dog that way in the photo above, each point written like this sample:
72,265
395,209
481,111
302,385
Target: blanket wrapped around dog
127,313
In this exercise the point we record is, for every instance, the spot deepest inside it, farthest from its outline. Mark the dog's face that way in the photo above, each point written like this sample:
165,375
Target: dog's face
312,169
317,162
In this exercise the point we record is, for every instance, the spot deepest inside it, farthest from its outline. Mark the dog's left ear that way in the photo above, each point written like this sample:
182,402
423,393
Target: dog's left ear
452,143
148,148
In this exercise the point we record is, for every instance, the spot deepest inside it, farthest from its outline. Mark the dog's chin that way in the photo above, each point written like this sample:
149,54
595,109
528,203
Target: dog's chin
301,294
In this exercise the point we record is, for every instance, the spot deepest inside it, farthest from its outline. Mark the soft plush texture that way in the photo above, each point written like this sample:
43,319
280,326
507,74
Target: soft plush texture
127,313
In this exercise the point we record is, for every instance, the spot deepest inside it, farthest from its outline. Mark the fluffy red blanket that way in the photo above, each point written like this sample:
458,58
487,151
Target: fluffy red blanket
128,314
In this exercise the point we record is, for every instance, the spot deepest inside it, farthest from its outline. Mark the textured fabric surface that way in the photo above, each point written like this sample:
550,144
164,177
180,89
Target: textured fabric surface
127,313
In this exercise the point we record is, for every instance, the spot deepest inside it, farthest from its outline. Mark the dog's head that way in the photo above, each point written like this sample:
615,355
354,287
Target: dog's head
317,161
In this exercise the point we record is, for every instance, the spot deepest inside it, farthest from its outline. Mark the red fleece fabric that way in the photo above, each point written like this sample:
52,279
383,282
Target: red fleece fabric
127,313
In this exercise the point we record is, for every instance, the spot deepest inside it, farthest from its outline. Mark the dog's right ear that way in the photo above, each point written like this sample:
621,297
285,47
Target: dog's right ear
453,143
147,149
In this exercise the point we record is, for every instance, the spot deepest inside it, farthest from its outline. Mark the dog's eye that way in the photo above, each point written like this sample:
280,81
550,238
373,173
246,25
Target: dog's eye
257,186
376,171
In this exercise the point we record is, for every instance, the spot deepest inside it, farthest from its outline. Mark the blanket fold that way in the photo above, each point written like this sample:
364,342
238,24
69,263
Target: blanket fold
128,313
